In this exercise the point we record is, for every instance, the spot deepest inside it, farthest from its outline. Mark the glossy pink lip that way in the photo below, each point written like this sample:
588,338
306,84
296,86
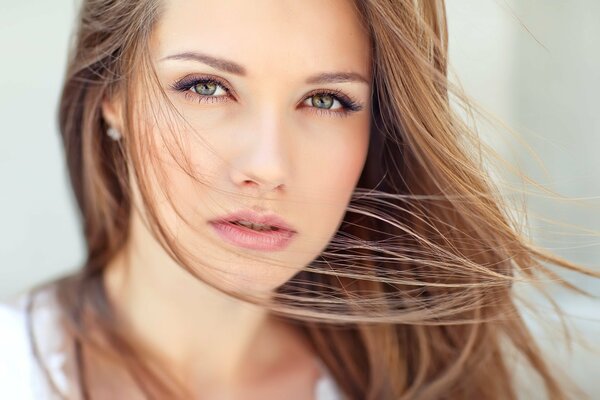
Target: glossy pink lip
251,239
256,218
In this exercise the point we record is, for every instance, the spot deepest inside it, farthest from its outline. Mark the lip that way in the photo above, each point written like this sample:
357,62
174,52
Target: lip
251,239
256,218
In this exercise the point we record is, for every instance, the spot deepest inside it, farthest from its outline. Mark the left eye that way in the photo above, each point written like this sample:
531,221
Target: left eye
323,101
208,88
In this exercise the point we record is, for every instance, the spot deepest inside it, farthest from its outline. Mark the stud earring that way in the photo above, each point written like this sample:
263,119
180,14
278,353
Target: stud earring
113,133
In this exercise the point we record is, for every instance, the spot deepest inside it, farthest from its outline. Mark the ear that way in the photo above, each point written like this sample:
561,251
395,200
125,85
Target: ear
111,112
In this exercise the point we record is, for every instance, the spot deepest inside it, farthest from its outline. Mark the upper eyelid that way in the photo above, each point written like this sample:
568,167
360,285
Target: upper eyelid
189,82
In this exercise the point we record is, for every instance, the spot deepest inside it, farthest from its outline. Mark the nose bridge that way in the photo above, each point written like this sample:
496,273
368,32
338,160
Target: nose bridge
269,135
263,156
270,124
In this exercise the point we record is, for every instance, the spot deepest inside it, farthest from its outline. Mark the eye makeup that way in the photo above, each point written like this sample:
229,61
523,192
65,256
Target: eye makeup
187,86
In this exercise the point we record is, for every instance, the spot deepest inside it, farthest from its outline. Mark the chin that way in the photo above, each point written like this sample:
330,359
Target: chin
253,282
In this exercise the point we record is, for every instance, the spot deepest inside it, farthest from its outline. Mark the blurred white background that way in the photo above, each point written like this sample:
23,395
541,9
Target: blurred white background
533,63
536,65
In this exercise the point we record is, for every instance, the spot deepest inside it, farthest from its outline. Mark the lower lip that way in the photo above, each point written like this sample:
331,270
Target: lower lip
251,239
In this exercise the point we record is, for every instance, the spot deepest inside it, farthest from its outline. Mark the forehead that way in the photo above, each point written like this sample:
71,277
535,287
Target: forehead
266,36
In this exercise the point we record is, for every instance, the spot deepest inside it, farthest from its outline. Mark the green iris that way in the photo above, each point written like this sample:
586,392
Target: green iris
322,101
206,88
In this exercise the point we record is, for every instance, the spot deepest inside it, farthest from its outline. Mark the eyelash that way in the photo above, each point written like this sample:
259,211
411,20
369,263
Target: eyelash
185,85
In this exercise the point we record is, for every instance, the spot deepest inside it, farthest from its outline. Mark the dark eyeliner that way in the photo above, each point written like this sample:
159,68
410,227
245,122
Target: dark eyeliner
188,82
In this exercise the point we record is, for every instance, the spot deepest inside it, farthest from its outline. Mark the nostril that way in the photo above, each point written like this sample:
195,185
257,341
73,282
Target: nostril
249,182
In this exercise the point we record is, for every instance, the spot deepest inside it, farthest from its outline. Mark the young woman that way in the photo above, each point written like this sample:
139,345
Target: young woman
278,202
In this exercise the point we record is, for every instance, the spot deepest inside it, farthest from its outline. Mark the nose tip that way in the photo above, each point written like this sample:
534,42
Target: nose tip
260,161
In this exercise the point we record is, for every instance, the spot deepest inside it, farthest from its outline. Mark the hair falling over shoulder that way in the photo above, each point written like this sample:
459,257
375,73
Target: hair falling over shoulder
413,297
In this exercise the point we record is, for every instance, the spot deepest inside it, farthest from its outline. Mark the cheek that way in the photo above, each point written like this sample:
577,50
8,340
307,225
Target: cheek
183,170
329,179
338,168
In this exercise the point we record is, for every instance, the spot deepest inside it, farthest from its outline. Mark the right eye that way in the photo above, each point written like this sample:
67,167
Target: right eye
204,89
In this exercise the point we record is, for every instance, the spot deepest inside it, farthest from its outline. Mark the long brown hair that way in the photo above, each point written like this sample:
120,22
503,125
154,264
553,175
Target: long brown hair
413,297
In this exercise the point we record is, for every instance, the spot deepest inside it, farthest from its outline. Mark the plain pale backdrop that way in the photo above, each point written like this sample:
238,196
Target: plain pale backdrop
533,63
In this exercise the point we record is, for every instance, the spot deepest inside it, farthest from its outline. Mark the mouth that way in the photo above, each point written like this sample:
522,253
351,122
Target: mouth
256,221
251,230
256,227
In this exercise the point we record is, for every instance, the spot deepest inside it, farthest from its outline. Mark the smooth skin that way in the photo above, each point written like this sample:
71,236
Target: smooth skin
270,141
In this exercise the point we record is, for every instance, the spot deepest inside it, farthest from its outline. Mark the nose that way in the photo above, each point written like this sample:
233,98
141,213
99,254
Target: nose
261,158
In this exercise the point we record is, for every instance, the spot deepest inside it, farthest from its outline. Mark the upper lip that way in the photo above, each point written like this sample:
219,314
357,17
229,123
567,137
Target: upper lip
255,218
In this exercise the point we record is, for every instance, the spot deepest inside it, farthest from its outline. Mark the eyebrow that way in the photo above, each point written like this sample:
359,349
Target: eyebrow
237,69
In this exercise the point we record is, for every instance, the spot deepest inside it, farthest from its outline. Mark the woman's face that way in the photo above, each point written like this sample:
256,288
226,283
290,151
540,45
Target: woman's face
276,96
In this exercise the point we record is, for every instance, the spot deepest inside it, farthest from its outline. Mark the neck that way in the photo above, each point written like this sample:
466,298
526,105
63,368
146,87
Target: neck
201,334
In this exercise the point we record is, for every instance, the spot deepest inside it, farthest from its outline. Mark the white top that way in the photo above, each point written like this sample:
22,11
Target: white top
21,376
